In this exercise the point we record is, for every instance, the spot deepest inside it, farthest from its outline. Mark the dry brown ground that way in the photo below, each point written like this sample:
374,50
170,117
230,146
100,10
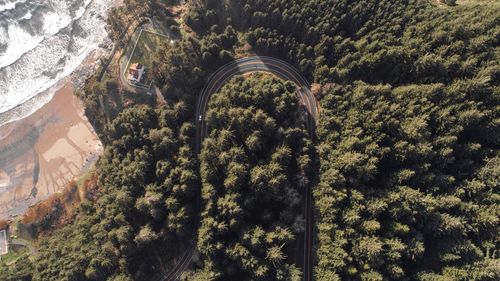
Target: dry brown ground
44,152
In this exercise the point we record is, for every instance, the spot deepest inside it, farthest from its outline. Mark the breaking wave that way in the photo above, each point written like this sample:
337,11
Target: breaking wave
41,42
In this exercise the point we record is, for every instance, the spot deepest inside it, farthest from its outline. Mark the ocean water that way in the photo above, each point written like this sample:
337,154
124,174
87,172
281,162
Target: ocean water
42,42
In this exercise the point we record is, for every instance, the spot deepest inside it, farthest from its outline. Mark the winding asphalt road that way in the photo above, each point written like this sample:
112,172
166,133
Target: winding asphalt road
248,65
215,82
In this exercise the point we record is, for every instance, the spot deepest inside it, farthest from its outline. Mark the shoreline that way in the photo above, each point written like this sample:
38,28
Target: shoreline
84,69
80,74
29,80
41,152
44,151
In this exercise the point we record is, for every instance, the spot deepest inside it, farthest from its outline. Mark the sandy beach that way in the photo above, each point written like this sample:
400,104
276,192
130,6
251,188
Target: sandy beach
40,154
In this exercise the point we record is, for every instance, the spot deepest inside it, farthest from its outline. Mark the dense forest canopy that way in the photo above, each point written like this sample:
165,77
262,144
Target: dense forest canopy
409,183
255,165
396,42
407,145
408,135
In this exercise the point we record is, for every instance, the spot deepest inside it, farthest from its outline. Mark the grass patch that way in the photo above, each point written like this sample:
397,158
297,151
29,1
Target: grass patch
84,177
15,252
146,47
183,32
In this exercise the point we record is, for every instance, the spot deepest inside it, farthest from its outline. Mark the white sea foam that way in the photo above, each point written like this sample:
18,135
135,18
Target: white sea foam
46,40
21,44
8,5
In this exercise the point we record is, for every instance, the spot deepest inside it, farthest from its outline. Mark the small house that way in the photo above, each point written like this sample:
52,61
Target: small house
4,245
135,72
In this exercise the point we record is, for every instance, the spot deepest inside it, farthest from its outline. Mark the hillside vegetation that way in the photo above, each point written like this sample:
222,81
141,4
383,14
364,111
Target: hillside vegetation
409,183
255,165
408,135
